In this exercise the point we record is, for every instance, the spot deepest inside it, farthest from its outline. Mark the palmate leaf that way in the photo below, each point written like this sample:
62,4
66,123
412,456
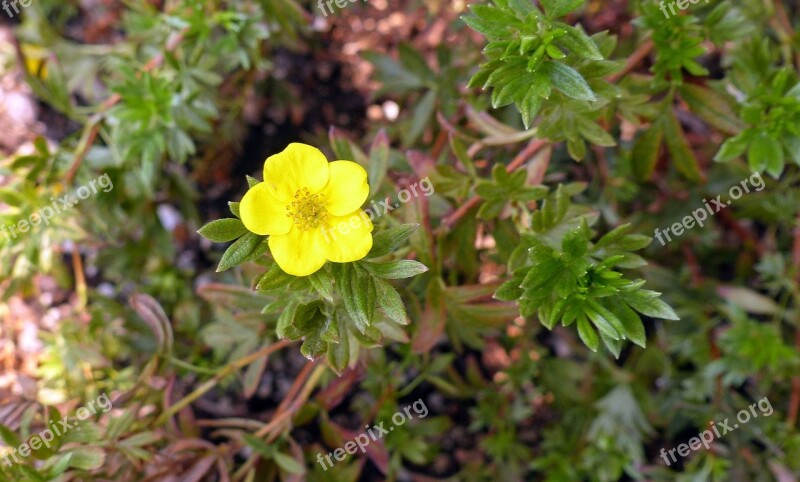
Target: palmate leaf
525,50
578,282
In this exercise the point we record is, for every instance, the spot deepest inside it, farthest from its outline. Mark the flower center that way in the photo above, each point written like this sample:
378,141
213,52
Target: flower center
307,210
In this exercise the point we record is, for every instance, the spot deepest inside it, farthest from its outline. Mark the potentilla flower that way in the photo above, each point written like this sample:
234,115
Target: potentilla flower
302,204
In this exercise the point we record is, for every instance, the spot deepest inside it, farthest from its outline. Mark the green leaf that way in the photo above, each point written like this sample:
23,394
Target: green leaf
587,333
732,148
87,458
602,324
339,353
633,242
378,161
394,76
61,466
223,230
559,8
634,328
575,243
579,43
9,437
347,283
405,268
614,346
364,293
509,291
593,132
387,241
322,282
712,107
682,155
390,302
490,21
645,152
274,278
607,315
422,113
247,247
414,62
765,153
288,464
612,236
32,474
647,303
568,80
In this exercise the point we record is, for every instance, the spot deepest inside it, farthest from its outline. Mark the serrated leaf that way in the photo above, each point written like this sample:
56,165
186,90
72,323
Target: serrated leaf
568,81
579,43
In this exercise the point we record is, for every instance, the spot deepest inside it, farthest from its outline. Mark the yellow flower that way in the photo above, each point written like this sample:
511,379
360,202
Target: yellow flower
311,210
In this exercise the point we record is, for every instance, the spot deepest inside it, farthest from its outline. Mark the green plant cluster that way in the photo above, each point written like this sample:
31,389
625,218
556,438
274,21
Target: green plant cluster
558,134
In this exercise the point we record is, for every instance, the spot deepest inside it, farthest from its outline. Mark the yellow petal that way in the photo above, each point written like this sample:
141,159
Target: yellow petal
296,167
263,213
347,188
299,252
347,238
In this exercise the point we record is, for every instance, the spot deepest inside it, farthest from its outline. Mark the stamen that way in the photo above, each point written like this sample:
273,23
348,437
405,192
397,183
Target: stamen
308,212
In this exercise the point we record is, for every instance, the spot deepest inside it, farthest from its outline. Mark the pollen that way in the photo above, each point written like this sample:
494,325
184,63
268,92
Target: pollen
307,210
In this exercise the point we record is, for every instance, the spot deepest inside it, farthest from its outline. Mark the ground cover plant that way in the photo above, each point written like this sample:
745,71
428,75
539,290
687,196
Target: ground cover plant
256,240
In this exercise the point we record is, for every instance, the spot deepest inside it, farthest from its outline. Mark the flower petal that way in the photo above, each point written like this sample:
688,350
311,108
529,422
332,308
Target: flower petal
347,188
263,213
298,253
296,167
347,238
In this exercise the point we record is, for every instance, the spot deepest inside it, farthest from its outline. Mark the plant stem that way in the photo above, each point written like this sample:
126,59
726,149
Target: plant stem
227,370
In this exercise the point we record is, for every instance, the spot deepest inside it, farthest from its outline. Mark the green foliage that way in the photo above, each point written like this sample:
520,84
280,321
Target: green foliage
577,283
225,367
525,52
